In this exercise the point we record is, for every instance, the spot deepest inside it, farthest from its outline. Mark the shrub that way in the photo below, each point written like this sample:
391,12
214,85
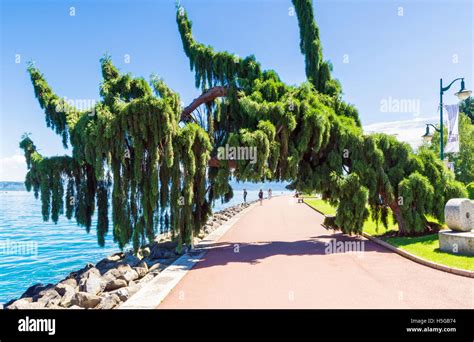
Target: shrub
470,190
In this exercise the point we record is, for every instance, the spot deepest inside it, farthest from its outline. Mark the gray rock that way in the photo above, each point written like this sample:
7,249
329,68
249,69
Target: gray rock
111,274
162,250
109,302
143,264
94,284
141,271
459,214
126,292
131,260
67,292
129,276
105,265
25,304
122,294
158,267
66,300
49,297
63,288
134,289
91,271
115,257
35,290
69,281
115,284
120,255
123,268
86,300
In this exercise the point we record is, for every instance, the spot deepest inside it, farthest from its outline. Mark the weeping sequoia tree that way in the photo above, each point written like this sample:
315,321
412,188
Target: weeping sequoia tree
155,162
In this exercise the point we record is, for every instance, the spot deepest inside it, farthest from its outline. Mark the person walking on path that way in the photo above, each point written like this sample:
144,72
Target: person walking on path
269,193
260,196
245,195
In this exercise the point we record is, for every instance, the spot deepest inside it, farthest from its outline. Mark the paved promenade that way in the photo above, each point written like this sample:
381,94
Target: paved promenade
275,257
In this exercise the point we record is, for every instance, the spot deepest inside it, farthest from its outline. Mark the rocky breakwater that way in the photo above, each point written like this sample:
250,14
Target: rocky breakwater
115,279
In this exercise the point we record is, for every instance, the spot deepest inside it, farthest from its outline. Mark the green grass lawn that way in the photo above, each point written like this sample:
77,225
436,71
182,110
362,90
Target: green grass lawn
322,206
426,247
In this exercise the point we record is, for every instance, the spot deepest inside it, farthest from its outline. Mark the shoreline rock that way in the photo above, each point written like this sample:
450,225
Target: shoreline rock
114,279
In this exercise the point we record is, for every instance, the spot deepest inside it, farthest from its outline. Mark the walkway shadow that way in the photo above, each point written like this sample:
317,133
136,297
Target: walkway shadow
223,253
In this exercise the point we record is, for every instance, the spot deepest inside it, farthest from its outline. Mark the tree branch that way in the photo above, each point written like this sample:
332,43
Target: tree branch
205,97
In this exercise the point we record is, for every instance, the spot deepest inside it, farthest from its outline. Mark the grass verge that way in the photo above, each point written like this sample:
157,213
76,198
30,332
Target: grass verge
426,247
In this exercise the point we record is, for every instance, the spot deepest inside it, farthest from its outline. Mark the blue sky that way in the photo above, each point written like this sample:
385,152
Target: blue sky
384,53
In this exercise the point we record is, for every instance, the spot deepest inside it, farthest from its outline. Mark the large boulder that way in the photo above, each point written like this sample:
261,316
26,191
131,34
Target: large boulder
141,271
163,250
63,288
126,292
35,290
129,276
459,214
157,267
93,284
26,304
115,284
66,292
131,260
122,294
109,302
86,300
49,297
123,268
111,274
69,281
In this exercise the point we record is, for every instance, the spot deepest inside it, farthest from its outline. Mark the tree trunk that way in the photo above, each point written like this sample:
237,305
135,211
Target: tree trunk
205,97
398,216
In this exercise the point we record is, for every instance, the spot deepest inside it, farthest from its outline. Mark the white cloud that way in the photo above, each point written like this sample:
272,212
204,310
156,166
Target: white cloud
13,168
409,131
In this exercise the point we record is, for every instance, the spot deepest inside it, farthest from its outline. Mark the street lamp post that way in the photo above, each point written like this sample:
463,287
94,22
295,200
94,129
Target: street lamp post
462,94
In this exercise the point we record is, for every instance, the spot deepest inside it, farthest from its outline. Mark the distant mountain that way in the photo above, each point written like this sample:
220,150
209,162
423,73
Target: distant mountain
12,186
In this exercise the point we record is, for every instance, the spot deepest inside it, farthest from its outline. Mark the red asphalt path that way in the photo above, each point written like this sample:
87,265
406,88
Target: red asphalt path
274,257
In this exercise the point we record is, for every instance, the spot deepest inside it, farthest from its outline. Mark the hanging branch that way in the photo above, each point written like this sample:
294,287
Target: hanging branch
206,97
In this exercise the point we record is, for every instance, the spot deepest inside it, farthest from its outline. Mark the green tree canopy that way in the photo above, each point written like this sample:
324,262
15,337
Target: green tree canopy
157,161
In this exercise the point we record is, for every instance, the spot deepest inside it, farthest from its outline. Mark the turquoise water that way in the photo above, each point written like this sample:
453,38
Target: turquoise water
33,251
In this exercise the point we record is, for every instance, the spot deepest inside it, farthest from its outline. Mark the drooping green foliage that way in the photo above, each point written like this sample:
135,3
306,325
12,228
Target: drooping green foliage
128,147
470,190
134,152
467,107
318,71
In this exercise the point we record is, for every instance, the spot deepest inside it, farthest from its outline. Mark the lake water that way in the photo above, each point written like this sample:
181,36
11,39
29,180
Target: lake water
33,251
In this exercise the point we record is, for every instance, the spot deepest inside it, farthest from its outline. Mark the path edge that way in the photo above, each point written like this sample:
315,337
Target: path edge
417,259
410,256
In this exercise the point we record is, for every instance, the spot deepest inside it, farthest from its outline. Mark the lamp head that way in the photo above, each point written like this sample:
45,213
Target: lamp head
463,93
427,136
